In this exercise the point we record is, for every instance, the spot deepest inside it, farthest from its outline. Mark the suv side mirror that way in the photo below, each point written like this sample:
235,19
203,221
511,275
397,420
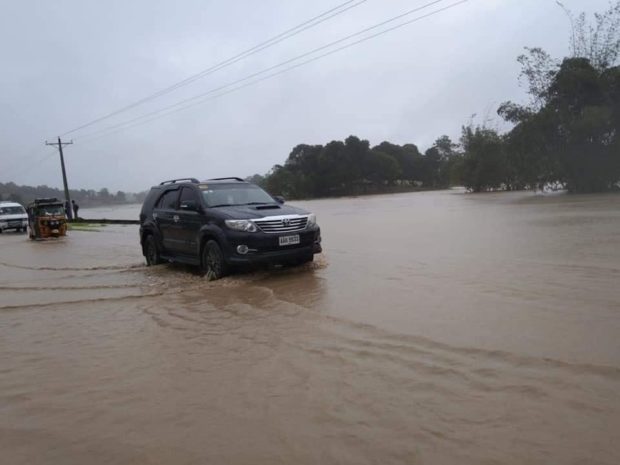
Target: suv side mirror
189,205
279,199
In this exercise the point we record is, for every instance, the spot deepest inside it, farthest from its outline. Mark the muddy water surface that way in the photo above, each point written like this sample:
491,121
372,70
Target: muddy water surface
436,328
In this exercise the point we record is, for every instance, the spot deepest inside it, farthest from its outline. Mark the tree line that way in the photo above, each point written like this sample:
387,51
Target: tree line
84,197
353,167
567,136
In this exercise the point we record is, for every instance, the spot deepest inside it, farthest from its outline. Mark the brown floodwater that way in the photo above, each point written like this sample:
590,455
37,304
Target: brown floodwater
436,328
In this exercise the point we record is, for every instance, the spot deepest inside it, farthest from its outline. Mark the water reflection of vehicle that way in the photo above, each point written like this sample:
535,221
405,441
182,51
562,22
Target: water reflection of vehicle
46,218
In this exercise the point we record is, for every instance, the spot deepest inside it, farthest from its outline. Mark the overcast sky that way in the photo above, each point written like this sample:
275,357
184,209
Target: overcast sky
65,63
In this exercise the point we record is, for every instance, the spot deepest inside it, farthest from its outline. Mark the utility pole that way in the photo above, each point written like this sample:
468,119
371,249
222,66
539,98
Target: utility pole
64,172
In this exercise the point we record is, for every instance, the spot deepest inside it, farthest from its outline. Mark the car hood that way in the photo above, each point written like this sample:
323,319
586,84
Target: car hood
248,212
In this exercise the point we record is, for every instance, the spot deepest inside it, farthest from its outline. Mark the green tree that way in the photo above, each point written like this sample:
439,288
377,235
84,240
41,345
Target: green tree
583,105
304,163
445,147
569,132
598,41
433,162
279,181
381,168
407,156
484,162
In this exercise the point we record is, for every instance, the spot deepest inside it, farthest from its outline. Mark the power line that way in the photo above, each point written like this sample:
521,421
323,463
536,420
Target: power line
398,26
205,95
315,21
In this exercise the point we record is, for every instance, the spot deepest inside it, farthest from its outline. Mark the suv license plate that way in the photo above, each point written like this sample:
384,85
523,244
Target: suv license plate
289,240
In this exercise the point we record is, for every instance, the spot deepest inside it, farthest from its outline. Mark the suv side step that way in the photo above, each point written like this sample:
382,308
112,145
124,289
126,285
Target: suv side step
181,259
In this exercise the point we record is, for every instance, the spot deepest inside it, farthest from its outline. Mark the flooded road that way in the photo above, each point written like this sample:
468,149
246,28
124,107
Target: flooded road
436,328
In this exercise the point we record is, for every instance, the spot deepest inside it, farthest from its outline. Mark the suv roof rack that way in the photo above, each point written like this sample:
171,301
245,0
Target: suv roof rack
173,181
232,178
46,200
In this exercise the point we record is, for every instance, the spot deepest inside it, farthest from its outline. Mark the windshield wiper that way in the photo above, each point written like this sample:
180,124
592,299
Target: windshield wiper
259,203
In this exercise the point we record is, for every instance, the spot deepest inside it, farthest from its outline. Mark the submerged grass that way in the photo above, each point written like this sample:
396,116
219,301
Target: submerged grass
90,227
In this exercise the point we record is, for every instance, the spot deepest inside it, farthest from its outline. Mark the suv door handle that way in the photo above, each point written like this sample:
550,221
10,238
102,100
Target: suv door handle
176,218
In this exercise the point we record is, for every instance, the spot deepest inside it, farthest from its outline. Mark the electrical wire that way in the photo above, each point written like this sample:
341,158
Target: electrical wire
308,24
315,21
206,96
108,131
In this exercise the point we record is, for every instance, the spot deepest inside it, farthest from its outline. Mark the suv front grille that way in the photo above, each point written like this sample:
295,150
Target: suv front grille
282,224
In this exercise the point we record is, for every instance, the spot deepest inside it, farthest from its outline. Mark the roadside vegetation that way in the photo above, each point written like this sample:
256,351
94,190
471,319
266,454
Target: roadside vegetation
84,197
87,227
352,167
566,136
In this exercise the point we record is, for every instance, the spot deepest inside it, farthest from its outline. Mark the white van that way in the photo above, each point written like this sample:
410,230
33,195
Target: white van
13,216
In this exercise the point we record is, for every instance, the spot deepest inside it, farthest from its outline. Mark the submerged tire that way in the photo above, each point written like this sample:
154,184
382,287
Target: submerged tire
212,263
150,251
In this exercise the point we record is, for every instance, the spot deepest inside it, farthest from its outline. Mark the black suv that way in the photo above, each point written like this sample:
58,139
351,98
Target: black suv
223,222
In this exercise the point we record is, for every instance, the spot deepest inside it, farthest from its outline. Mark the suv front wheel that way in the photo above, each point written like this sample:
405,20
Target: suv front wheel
213,264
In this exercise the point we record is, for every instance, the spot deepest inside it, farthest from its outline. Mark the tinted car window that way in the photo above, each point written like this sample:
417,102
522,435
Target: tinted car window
234,194
187,193
169,199
151,199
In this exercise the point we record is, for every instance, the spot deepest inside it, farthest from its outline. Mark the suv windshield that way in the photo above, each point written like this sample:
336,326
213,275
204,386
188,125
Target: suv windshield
218,195
11,210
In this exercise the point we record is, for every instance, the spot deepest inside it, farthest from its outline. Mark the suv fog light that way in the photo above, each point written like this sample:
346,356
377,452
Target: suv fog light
242,249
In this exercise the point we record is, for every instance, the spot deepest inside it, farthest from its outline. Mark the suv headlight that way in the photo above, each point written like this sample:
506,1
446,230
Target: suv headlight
241,225
311,220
